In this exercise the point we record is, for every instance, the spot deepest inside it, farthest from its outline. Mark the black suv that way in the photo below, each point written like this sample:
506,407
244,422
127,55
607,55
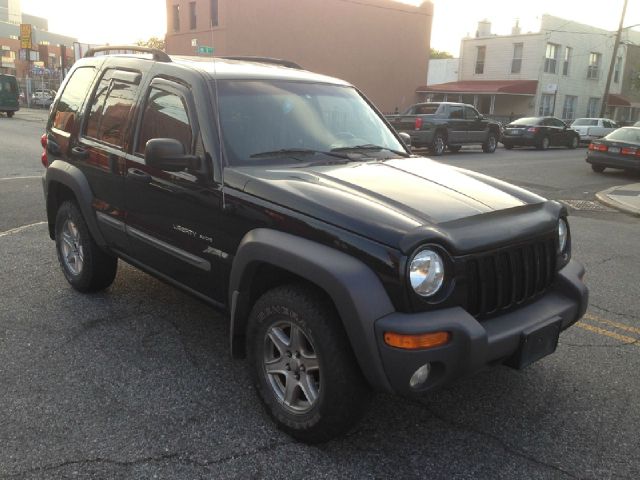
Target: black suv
285,199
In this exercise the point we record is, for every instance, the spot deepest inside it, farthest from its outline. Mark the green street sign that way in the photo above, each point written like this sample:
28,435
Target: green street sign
205,50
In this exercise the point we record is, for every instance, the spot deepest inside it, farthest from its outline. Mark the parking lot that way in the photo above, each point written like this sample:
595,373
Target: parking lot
137,381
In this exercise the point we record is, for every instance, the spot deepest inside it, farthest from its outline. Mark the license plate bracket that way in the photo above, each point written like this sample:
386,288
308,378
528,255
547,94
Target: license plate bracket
536,342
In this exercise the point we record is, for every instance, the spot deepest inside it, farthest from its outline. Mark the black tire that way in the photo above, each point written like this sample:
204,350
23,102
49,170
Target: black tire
438,144
10,114
597,168
86,266
490,144
543,143
454,148
508,146
341,393
574,142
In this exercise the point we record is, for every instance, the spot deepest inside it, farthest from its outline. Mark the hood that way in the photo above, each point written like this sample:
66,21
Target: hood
382,200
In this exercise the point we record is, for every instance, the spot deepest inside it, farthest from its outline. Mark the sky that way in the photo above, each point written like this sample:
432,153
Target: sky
126,21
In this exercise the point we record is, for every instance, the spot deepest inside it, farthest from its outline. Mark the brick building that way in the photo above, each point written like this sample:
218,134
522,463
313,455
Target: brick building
381,46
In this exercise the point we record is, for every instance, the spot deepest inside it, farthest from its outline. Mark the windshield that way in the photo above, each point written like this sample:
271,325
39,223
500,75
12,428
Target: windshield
275,121
629,135
585,122
527,121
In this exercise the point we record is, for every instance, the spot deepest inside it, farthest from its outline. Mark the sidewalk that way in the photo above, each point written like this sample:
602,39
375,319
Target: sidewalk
623,197
33,114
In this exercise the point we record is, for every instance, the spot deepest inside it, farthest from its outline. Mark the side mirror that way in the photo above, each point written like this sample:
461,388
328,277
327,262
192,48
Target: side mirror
406,138
481,117
168,154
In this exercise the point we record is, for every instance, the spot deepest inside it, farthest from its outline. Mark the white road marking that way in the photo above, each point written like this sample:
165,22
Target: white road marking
19,229
20,178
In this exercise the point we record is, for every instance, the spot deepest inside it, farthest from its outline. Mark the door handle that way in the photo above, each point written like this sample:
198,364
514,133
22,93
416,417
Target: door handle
80,153
138,175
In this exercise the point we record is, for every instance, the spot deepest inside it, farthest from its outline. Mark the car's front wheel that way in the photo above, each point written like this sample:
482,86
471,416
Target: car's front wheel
573,143
303,366
85,265
490,144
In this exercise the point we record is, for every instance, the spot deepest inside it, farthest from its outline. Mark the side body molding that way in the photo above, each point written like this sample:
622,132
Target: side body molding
355,290
63,173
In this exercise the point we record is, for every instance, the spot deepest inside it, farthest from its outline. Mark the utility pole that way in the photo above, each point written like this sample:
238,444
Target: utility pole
605,98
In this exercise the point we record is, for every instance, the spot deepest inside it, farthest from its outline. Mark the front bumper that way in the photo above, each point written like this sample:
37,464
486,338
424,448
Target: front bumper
475,345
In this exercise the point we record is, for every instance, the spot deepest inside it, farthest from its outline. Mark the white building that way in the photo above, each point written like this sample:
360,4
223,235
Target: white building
443,70
560,70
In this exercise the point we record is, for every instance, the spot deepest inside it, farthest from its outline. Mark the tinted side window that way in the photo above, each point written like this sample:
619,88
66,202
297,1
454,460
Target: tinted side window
165,116
455,112
71,100
110,108
470,113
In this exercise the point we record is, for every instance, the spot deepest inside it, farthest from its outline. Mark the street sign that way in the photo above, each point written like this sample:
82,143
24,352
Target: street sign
26,38
205,50
194,42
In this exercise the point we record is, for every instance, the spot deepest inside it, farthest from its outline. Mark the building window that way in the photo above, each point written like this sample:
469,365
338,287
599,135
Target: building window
551,58
569,108
214,13
546,104
516,62
568,51
616,71
480,54
192,15
592,107
176,18
593,71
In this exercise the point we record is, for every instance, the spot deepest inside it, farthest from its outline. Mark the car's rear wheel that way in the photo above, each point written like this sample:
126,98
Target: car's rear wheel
85,265
438,144
490,144
573,143
543,143
597,168
302,364
10,114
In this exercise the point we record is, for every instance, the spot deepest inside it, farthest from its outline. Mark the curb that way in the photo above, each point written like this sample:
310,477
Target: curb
604,198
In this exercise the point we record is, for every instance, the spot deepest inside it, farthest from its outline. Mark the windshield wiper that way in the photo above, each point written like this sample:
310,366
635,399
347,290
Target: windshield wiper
283,152
369,146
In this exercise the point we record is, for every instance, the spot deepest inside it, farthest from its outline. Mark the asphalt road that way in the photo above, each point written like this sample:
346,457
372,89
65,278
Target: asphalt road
137,382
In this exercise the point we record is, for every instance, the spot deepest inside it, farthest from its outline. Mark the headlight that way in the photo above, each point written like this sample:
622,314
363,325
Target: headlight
563,233
426,272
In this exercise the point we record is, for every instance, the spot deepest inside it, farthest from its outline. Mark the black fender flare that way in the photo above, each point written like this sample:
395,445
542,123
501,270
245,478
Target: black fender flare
354,288
64,173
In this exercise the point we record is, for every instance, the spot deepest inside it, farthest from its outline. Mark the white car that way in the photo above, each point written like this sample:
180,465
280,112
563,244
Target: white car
43,98
592,128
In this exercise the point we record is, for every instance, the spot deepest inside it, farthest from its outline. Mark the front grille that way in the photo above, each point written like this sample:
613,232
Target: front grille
503,279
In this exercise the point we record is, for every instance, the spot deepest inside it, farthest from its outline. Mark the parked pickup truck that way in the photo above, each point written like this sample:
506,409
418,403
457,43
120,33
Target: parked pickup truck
592,128
436,125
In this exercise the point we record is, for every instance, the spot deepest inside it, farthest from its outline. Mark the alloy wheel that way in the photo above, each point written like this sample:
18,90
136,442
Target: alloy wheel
72,250
291,367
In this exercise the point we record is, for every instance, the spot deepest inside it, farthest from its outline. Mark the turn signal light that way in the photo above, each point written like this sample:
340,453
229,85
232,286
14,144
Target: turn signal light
416,342
43,157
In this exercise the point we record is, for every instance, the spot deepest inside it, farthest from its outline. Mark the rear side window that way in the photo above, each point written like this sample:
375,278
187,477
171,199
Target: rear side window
456,112
7,85
110,107
165,116
71,100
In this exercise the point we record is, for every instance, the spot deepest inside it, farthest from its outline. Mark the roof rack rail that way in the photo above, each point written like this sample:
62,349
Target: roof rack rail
158,55
273,61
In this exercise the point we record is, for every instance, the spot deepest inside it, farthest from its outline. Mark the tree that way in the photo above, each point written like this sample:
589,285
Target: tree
153,42
438,54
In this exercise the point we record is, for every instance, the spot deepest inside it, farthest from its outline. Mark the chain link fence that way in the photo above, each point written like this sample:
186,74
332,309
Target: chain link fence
38,91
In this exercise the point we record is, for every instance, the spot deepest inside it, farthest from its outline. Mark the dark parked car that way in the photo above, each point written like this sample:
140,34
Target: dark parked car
619,149
282,198
440,125
539,132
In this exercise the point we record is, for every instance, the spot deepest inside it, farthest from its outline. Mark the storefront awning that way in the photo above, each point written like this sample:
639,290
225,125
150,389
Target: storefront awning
614,100
491,87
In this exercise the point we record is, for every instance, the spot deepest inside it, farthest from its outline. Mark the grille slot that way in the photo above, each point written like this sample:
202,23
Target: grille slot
502,279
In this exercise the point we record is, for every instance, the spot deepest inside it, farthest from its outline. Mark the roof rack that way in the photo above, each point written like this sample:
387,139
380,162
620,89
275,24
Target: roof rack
158,55
273,61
